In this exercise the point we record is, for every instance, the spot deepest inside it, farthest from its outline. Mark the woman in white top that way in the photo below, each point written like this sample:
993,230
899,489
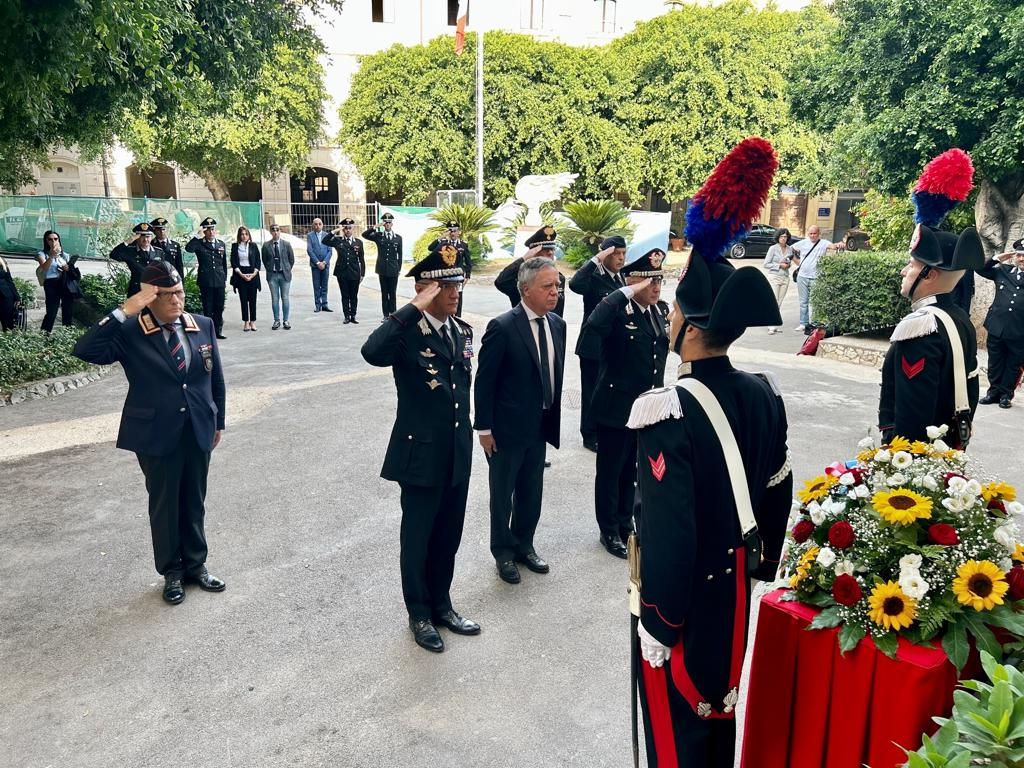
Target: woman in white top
245,275
776,265
58,270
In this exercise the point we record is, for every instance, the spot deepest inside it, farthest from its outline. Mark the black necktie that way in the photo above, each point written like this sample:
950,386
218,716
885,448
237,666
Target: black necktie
617,279
545,368
175,348
447,339
654,321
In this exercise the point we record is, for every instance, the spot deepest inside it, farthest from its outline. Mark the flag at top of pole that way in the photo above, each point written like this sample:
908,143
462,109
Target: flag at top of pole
460,26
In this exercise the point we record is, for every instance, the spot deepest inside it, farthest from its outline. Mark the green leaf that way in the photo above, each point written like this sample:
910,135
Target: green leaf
986,641
1005,617
850,636
827,619
955,645
887,644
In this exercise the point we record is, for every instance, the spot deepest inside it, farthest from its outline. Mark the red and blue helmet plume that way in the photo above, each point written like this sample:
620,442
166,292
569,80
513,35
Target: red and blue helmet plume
945,182
732,197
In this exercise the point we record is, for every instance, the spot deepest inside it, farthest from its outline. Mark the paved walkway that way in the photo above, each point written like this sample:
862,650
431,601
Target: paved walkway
305,660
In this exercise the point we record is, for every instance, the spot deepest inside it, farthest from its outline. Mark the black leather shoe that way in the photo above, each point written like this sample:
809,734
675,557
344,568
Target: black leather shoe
353,320
614,546
460,625
1005,402
547,464
533,561
325,308
988,399
347,321
590,445
508,572
174,591
426,635
207,582
221,335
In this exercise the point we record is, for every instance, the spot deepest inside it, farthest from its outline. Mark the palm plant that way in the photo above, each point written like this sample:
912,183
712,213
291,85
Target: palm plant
593,221
474,220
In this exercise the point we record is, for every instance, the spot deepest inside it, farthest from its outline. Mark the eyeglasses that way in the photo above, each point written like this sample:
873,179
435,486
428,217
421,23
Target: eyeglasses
657,280
171,294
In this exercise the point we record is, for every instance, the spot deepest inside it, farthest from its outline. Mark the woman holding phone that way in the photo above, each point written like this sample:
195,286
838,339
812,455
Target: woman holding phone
59,277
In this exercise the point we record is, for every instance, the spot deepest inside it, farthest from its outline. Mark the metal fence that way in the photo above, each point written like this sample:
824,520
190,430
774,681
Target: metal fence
92,226
455,197
297,218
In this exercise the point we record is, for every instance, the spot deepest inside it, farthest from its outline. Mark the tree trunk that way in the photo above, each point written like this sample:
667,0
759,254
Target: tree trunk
999,216
217,188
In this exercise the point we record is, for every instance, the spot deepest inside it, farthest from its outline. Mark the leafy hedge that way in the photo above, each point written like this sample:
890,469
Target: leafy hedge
26,292
859,291
34,355
477,245
101,293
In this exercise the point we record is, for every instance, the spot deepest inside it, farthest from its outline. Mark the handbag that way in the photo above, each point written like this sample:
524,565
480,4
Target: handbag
796,271
41,275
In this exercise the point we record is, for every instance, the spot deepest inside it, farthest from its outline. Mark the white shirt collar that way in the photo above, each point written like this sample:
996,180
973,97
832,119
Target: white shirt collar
530,314
434,322
923,302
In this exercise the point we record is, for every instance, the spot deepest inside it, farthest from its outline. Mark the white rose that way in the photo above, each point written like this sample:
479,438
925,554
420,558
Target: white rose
1006,535
1006,563
973,488
883,456
866,442
817,515
861,491
939,445
930,483
826,557
847,478
913,585
956,486
1014,508
934,433
896,480
836,507
910,563
958,503
902,460
844,567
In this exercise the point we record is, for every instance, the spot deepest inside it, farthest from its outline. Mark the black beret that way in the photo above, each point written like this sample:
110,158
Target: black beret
613,242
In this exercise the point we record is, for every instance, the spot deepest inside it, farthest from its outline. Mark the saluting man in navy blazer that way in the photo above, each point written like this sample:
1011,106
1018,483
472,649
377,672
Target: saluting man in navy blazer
172,418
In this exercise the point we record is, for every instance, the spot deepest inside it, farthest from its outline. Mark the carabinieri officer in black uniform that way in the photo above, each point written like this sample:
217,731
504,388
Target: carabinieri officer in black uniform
919,375
172,418
430,352
171,248
540,243
593,281
212,273
135,253
1005,341
389,261
697,552
631,327
350,266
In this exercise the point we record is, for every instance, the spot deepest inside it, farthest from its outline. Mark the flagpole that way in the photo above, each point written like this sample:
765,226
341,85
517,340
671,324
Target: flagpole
480,117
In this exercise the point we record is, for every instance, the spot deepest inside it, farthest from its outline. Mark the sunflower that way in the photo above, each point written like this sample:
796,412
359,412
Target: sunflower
804,566
998,490
902,506
980,584
865,456
890,607
919,448
899,444
1018,553
817,488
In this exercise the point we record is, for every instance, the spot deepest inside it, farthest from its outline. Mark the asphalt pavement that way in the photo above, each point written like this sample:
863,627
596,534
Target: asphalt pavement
306,659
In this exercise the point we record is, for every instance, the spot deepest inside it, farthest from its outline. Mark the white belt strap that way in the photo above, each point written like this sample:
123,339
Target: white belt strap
733,460
961,401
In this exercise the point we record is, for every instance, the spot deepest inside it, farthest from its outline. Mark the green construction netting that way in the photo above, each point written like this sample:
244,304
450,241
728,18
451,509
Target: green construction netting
92,226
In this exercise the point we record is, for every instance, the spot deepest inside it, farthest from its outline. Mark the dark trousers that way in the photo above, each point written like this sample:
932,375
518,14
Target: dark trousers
177,492
213,305
432,518
588,383
6,313
349,296
516,479
388,294
1005,358
615,484
247,295
320,283
56,298
675,736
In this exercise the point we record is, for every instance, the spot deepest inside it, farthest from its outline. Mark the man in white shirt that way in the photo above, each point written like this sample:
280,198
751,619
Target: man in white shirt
808,253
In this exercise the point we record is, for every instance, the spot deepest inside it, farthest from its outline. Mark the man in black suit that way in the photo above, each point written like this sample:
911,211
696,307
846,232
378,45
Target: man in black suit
389,261
212,271
135,253
593,281
430,352
631,329
172,418
171,248
518,409
454,239
1005,329
350,268
540,243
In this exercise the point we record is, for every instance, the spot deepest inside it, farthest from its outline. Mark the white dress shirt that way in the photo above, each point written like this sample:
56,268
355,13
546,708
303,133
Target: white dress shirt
532,316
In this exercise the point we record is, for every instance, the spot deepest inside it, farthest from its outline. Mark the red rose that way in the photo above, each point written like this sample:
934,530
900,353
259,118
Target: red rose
846,590
943,534
802,531
949,476
841,535
997,506
1016,579
858,475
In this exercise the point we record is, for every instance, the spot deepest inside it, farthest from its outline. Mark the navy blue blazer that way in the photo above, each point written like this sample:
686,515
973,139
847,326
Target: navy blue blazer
508,395
159,401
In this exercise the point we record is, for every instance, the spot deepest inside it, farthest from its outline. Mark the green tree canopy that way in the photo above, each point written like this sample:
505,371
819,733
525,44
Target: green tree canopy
79,72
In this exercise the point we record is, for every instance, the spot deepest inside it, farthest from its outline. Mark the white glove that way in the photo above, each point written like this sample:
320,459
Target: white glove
628,291
654,653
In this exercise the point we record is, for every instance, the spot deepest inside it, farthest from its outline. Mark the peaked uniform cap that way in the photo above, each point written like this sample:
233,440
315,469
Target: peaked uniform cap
439,264
142,228
208,222
544,237
648,265
347,222
160,273
159,221
387,217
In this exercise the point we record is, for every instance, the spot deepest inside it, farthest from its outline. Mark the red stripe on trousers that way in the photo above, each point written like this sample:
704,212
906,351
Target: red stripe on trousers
656,690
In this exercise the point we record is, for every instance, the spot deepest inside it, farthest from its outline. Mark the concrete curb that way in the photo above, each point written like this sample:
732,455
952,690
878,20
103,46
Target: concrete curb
34,390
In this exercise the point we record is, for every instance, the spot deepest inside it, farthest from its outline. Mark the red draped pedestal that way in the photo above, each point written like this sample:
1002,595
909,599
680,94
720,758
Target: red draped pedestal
808,706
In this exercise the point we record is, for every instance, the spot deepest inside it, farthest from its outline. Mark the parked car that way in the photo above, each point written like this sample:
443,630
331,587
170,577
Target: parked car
758,240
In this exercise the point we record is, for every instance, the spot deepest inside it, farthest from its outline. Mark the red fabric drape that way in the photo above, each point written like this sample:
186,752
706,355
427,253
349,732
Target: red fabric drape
808,706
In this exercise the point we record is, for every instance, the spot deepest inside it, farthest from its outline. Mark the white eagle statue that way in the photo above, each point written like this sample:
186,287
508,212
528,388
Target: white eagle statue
532,191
